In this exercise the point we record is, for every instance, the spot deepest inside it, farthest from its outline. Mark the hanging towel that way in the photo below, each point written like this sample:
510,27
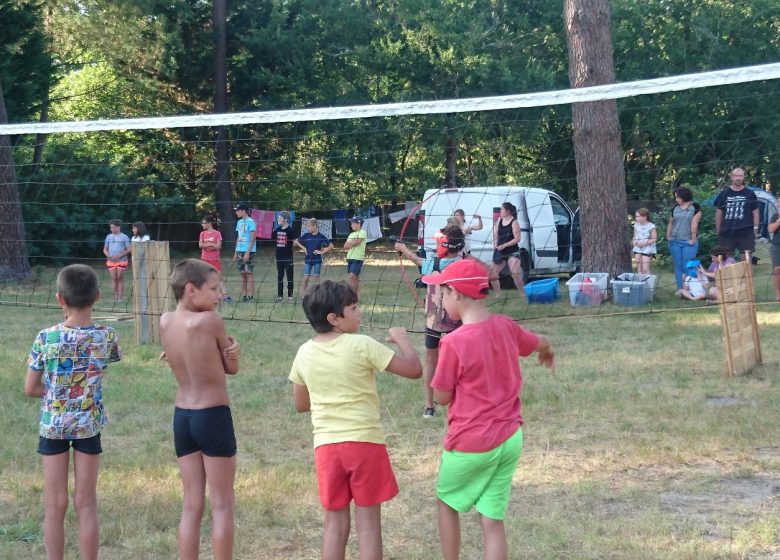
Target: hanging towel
265,221
325,226
373,229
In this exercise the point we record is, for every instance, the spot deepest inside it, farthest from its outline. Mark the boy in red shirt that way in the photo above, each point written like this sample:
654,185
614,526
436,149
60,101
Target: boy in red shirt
478,376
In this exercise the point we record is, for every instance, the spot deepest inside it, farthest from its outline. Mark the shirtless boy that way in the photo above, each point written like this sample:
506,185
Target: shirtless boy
200,353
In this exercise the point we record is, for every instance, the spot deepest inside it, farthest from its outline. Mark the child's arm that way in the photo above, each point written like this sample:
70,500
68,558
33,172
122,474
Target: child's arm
404,250
33,384
225,343
324,249
298,244
301,398
354,242
252,236
405,362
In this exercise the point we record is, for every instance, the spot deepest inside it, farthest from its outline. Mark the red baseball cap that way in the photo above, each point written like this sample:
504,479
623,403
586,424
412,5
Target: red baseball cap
467,276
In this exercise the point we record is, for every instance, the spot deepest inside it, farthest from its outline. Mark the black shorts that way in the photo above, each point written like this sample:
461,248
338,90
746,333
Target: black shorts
208,430
432,338
738,241
90,446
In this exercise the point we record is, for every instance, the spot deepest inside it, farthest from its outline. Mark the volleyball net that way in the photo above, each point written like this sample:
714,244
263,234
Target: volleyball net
378,162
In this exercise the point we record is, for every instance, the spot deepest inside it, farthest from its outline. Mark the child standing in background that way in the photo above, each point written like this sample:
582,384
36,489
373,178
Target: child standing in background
645,237
65,370
210,243
315,244
356,252
139,232
284,237
116,248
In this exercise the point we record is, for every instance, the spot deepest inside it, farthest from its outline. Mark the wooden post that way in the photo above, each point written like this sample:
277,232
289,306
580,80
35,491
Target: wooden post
738,317
151,294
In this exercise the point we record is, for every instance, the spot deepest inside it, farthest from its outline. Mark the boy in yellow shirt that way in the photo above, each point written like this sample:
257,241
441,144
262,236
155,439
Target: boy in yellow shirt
334,377
356,252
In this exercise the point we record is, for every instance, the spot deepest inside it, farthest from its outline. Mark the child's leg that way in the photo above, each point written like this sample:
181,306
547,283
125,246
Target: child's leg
55,499
305,283
250,284
335,532
112,274
431,359
220,475
494,538
776,281
193,481
354,281
369,529
120,283
86,466
244,280
280,269
316,277
449,531
290,282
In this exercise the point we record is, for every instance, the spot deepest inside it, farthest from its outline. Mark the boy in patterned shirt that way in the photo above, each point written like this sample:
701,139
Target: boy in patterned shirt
65,370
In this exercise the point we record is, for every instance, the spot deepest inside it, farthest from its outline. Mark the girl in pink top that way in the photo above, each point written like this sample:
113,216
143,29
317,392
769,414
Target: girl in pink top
210,242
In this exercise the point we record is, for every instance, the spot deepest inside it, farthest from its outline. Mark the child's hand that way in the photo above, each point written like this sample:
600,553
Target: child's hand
547,359
317,252
400,247
163,357
232,352
395,334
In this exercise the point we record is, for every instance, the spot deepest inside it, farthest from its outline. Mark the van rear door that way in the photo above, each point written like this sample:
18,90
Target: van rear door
543,234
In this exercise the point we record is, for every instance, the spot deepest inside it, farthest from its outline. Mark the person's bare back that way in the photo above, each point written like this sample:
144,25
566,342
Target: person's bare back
194,345
194,341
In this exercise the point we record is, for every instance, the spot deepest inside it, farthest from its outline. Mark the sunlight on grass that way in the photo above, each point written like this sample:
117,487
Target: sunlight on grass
639,447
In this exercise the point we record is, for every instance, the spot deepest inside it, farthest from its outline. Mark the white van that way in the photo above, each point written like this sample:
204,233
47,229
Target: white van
550,242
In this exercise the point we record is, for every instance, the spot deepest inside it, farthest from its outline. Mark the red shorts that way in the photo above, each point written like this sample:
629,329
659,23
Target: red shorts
121,265
354,470
216,263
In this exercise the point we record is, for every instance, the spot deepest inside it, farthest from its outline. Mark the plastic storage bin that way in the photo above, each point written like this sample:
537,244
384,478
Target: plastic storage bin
588,288
633,289
543,291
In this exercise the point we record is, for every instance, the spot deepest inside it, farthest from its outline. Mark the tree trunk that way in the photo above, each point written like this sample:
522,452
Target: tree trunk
450,156
601,182
13,251
223,192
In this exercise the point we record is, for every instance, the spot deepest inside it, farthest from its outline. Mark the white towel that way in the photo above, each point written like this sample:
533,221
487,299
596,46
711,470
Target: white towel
373,230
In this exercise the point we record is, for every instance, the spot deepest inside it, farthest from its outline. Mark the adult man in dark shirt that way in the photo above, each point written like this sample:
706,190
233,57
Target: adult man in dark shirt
736,215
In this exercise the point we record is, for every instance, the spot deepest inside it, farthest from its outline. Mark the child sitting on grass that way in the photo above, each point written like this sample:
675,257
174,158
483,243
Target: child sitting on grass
695,283
334,377
65,370
478,376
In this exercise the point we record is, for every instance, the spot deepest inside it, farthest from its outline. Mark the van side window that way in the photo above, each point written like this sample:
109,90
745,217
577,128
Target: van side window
560,213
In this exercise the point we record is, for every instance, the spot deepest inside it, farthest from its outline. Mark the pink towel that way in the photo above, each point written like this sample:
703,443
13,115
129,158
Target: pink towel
265,220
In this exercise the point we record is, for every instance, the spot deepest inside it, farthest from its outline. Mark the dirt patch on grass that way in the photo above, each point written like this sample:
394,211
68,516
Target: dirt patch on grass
725,504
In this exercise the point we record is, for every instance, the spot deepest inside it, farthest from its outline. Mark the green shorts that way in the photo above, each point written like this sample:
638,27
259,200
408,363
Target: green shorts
480,480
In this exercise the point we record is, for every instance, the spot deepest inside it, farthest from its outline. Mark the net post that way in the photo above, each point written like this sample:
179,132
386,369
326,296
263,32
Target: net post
151,269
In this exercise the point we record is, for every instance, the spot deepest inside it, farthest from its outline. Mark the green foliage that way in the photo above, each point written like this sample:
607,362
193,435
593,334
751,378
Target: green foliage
25,63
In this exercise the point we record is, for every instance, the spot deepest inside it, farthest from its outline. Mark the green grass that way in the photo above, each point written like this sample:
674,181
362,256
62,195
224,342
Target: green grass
639,447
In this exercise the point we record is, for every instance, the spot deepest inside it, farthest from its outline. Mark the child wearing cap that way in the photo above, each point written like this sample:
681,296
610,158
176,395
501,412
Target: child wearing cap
695,283
356,254
450,243
478,376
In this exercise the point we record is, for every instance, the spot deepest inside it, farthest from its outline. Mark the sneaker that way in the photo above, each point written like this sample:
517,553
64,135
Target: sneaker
227,299
290,299
247,299
430,412
278,299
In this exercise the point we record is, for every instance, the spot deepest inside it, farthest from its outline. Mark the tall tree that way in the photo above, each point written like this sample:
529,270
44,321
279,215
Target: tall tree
599,160
222,195
13,252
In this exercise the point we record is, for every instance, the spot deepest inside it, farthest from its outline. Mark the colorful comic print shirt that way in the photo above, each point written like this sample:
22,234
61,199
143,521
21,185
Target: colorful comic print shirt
71,361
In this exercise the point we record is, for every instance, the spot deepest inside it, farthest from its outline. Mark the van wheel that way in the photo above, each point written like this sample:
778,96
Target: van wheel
525,263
